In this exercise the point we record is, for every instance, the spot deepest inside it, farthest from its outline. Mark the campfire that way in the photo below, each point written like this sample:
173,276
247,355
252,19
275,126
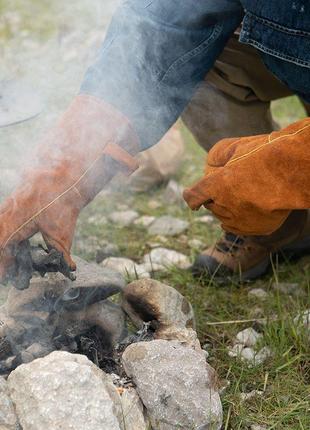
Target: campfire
138,338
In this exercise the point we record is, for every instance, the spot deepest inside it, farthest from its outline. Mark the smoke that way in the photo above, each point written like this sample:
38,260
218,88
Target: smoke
46,46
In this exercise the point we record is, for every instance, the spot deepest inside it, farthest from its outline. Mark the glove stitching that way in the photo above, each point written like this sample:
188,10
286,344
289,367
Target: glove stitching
265,144
72,187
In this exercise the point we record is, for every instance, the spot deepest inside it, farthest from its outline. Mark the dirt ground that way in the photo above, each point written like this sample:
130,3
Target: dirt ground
50,46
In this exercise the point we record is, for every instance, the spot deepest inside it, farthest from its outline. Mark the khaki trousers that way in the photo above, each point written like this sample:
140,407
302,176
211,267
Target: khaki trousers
234,100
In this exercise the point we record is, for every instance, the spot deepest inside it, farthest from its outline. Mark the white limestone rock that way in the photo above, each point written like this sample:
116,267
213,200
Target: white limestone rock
64,391
175,384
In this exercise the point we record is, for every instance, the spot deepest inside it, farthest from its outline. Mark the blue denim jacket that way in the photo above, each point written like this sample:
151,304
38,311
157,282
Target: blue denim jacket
156,52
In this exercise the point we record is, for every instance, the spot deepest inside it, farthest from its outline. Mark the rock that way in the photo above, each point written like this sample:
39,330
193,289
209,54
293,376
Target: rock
8,419
255,359
251,395
175,384
144,221
109,250
287,288
168,226
97,219
262,356
36,350
64,391
206,219
248,337
173,193
248,354
123,218
133,411
196,244
258,293
149,300
167,258
236,350
125,266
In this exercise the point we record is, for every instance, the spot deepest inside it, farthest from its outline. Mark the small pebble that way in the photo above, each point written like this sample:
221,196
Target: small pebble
286,288
123,218
235,351
258,293
167,258
248,337
168,226
206,219
196,244
144,221
251,395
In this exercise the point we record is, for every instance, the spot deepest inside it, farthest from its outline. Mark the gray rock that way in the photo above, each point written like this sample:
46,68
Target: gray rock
125,267
123,218
133,411
248,354
286,288
251,395
196,244
144,221
248,337
175,384
167,258
235,351
206,219
8,418
255,358
149,300
262,356
258,293
173,193
64,391
168,226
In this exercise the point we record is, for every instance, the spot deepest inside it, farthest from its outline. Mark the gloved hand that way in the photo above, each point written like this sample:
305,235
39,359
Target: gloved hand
252,183
90,144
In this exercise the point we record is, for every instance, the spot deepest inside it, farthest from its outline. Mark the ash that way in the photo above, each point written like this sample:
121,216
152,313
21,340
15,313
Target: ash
109,360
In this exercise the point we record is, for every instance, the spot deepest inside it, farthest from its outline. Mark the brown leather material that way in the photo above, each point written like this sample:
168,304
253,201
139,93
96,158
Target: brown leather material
238,258
122,156
71,167
253,183
246,253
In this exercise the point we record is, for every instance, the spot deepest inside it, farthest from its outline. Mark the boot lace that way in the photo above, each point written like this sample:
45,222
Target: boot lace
230,243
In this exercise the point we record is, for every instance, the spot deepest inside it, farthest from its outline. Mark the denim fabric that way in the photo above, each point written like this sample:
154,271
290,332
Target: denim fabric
156,52
281,31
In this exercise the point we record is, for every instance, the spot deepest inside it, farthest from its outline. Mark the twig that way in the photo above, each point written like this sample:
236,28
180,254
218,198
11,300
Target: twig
239,321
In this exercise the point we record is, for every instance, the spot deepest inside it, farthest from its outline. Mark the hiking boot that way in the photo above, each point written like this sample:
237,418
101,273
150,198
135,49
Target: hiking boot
248,258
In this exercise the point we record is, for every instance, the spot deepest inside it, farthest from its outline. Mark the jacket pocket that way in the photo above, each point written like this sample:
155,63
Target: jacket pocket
272,38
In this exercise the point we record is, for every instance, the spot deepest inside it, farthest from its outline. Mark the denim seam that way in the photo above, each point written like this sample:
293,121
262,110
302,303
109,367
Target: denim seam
277,54
196,51
280,27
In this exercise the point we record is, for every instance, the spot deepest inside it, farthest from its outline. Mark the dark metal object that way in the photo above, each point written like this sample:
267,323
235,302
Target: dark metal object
29,259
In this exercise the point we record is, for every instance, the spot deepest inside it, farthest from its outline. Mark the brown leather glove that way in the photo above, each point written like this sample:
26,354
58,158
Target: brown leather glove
91,143
252,183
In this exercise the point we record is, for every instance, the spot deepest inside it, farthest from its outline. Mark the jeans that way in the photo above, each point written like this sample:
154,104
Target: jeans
156,53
